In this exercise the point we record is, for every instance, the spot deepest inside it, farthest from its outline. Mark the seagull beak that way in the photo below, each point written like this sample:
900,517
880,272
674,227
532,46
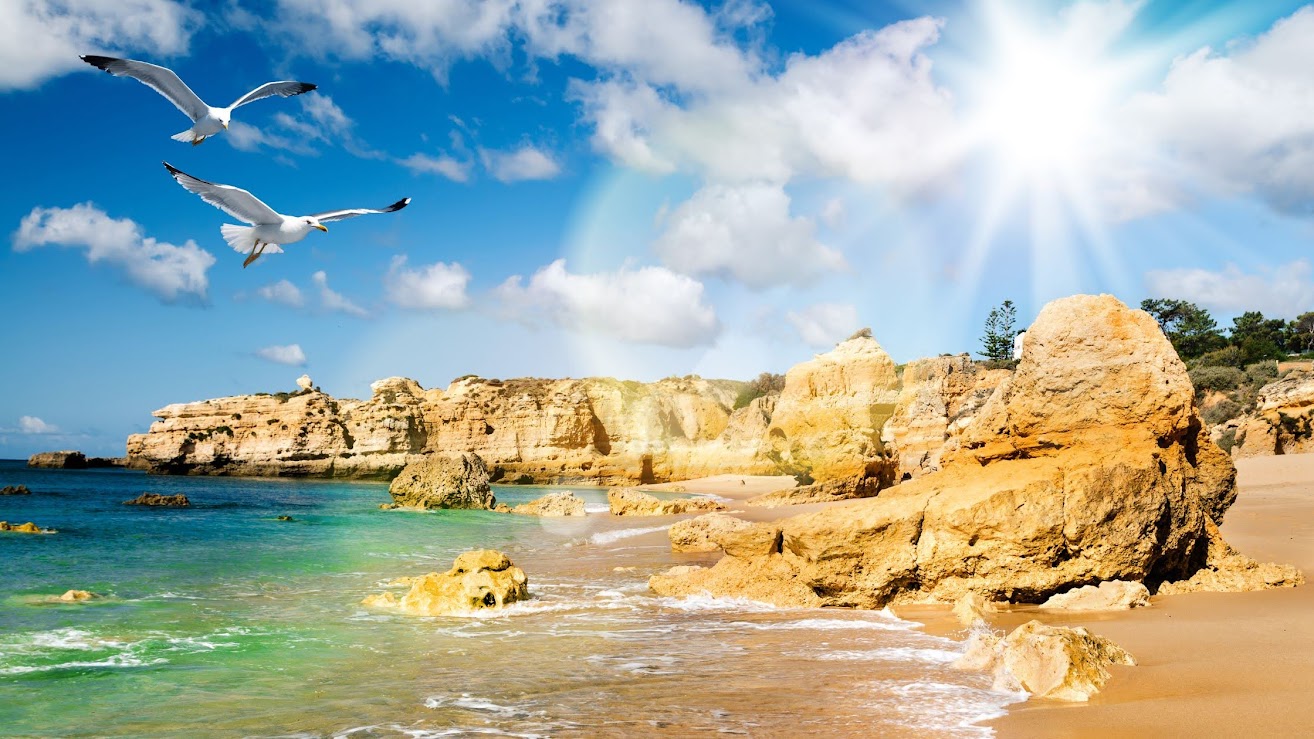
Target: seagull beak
225,126
321,227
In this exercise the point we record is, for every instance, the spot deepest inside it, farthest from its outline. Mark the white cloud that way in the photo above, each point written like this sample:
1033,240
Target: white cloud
746,233
290,354
1284,292
168,271
43,38
825,324
335,301
449,167
320,121
1241,120
435,286
832,213
34,425
647,305
282,292
524,163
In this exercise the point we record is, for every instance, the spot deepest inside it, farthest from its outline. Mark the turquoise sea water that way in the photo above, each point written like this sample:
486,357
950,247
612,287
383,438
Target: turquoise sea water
220,620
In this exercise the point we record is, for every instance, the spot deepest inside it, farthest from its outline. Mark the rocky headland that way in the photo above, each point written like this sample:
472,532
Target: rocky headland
1089,464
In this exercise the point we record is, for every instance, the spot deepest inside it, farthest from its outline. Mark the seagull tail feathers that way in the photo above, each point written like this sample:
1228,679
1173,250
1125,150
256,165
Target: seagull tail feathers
186,137
241,238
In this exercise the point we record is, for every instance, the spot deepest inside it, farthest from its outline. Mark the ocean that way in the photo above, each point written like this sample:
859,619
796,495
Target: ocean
220,620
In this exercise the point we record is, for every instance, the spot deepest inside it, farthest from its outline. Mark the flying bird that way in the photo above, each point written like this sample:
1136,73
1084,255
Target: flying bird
206,120
268,229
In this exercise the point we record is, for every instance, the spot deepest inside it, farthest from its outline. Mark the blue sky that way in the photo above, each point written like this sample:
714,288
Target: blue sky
636,189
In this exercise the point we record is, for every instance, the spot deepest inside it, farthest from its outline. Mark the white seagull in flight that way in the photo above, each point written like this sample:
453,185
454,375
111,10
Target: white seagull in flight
206,120
268,229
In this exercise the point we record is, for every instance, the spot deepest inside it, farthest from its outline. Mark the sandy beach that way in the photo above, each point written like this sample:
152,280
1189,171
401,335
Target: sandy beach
1210,664
734,487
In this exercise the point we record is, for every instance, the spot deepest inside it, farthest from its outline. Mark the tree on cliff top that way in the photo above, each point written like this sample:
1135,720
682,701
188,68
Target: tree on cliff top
997,344
1189,327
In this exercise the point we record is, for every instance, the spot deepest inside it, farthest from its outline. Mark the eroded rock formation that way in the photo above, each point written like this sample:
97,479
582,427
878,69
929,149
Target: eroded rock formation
162,501
1282,422
1052,662
479,579
1089,464
552,505
626,502
443,481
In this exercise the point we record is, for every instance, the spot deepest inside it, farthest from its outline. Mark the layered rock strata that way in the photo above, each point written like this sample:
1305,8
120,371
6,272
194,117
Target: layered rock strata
1089,464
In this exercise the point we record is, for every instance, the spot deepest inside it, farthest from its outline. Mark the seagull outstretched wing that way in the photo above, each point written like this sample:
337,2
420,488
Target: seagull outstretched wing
337,215
234,201
284,89
159,79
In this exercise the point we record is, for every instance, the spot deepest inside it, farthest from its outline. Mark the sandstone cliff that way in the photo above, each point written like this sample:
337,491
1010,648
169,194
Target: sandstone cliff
825,424
1089,464
1282,422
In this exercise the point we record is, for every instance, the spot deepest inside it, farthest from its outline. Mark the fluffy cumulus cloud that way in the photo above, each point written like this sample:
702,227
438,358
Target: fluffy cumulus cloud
34,425
1284,292
170,272
42,38
434,286
283,292
825,324
745,233
646,305
1241,120
289,354
523,163
333,301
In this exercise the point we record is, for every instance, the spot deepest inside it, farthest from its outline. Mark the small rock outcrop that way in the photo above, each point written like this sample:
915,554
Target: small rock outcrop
163,501
15,490
1228,571
1055,662
441,481
627,502
305,384
64,460
480,579
822,492
1089,464
1282,422
24,528
1115,595
552,505
75,596
704,533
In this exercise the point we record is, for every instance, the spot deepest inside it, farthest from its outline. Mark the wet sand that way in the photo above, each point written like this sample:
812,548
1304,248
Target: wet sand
1210,664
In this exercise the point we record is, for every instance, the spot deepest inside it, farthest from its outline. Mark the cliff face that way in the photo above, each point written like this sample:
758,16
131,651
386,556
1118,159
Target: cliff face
1282,422
593,430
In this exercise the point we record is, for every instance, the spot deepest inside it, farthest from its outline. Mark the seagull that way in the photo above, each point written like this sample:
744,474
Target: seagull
207,121
268,229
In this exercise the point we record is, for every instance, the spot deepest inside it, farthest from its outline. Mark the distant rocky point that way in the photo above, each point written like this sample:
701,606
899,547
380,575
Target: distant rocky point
73,460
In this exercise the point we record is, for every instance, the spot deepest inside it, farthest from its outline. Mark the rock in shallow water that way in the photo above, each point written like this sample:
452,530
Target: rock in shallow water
74,596
1046,661
155,499
552,505
24,528
441,481
479,579
15,490
627,502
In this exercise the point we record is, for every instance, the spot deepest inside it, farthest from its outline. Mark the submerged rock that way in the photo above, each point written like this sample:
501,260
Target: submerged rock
155,499
284,518
25,528
1089,464
627,502
15,490
1115,595
440,481
552,505
1060,663
479,579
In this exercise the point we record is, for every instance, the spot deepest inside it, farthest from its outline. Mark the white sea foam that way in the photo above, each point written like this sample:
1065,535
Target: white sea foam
714,603
597,508
892,654
607,537
118,660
